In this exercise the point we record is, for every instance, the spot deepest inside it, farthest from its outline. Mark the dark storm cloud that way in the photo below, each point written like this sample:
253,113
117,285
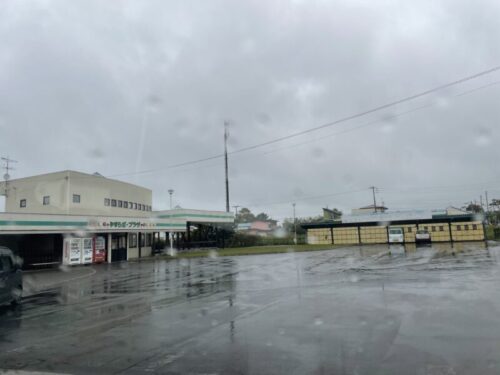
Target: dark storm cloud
126,86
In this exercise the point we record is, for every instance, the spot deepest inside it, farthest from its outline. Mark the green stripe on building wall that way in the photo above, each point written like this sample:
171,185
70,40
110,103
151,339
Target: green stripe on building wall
32,223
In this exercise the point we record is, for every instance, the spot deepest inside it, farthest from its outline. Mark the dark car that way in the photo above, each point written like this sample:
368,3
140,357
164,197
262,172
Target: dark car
11,278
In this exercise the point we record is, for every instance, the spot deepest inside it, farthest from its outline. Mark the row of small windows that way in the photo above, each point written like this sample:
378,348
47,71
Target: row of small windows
146,240
126,204
441,228
46,200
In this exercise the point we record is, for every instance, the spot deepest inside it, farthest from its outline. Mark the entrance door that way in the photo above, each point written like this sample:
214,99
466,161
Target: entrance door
118,247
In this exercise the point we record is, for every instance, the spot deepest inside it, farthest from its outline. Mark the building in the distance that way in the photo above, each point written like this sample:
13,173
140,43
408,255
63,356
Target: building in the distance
262,228
368,209
72,217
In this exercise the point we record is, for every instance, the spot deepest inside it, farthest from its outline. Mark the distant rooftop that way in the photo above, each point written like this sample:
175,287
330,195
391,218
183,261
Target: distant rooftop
416,214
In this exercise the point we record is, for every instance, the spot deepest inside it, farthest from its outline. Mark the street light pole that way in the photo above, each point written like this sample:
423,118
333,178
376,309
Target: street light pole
170,191
294,226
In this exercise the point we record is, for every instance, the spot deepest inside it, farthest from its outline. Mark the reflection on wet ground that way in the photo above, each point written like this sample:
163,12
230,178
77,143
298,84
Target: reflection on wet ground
366,310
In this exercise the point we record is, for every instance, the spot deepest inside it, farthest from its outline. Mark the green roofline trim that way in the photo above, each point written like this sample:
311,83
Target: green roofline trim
167,216
171,225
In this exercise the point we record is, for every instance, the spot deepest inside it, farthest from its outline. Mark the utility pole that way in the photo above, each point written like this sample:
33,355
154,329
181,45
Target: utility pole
487,204
170,192
294,226
374,200
226,136
7,161
481,201
236,210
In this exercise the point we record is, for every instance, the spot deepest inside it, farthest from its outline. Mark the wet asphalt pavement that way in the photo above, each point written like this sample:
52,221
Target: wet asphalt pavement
358,310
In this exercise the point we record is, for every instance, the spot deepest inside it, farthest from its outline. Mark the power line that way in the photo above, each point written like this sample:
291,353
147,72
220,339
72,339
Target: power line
304,198
326,125
378,121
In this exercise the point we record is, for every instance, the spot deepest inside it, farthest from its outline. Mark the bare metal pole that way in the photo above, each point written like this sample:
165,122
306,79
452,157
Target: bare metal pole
226,136
7,161
294,226
374,200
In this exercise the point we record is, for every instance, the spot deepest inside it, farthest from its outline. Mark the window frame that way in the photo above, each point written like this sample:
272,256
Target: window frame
107,202
113,202
119,203
135,205
132,240
23,203
125,204
79,198
474,226
46,200
466,226
131,205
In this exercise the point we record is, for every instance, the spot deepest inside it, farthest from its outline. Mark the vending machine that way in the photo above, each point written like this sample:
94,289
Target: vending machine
99,249
72,251
87,250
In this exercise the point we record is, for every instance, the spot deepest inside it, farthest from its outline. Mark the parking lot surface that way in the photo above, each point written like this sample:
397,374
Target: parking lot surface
355,310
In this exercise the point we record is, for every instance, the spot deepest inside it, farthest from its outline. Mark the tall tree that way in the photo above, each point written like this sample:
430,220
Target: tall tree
262,216
244,216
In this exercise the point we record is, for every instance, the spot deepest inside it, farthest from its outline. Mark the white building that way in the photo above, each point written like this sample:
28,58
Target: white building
43,213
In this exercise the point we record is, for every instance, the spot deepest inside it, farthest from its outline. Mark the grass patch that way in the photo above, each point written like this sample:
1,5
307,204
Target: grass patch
250,251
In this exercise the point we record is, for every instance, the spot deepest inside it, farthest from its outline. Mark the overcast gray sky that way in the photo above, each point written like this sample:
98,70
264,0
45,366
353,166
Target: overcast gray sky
126,86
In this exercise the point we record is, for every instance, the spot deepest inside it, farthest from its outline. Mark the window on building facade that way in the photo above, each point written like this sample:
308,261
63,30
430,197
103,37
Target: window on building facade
76,198
120,203
148,239
433,228
441,228
107,201
22,203
474,226
46,200
143,239
131,205
133,240
409,229
466,227
113,202
459,227
135,206
144,207
125,204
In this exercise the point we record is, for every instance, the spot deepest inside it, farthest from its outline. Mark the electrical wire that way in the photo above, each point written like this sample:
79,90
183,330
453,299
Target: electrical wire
326,125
